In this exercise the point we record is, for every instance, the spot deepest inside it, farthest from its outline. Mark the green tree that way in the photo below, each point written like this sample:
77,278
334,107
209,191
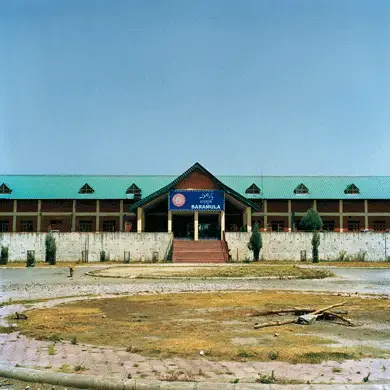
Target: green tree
51,248
256,243
311,221
315,242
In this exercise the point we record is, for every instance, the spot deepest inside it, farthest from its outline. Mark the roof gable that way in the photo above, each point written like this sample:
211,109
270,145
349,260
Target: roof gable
301,189
4,189
86,189
134,189
352,189
174,183
253,189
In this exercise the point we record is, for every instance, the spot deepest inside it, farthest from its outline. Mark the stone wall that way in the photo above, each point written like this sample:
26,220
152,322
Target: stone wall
288,246
276,246
70,245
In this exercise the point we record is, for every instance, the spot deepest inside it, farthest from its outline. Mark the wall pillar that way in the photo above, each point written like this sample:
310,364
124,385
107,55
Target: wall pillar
14,215
140,219
97,215
244,218
169,221
341,215
365,214
196,225
73,229
265,214
39,218
248,212
121,228
315,204
289,216
222,216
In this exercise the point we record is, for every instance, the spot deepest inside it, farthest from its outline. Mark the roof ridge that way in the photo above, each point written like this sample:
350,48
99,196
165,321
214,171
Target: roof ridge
171,175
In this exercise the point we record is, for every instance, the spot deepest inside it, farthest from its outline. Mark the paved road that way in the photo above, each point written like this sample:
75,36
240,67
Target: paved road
32,283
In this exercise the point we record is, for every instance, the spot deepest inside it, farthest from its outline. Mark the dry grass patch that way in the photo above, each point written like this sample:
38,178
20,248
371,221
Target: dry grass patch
217,323
250,270
28,302
356,264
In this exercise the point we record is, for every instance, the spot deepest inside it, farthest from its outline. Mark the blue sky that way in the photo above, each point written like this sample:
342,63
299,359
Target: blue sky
150,87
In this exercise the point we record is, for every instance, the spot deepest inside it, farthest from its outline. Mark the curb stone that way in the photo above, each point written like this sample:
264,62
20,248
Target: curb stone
107,383
156,277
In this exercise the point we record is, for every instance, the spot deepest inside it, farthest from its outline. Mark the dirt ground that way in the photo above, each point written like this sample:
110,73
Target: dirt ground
220,325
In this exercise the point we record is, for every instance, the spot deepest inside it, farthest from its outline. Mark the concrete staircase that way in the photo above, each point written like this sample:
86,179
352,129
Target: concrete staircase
202,251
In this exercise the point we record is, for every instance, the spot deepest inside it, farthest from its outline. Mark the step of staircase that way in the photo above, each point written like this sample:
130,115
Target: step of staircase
202,251
194,261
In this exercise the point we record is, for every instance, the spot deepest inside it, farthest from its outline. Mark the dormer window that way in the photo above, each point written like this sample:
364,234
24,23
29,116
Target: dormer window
86,189
301,190
352,190
134,190
253,189
4,189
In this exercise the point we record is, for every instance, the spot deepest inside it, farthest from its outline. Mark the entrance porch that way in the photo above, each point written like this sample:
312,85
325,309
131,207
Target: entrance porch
192,225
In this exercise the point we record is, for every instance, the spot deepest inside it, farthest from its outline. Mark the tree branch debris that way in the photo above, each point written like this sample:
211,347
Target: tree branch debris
305,316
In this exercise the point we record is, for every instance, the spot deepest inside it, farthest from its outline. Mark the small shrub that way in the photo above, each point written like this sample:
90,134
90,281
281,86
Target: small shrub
245,354
343,256
266,378
361,256
52,350
4,255
256,243
65,368
79,367
311,221
102,255
337,369
315,242
30,259
74,340
273,355
51,248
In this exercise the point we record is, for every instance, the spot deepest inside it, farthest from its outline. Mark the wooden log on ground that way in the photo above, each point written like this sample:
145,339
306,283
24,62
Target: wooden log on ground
274,323
313,313
328,307
340,317
295,310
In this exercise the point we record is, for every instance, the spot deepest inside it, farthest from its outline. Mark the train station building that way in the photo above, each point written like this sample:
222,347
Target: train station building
194,205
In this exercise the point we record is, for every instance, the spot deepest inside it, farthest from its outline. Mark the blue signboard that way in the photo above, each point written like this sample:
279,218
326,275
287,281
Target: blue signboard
196,200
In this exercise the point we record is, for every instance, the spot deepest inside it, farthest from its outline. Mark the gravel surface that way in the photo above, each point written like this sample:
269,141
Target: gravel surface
34,283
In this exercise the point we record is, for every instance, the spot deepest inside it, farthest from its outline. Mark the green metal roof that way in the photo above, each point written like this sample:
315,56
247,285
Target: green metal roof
68,186
320,187
114,187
